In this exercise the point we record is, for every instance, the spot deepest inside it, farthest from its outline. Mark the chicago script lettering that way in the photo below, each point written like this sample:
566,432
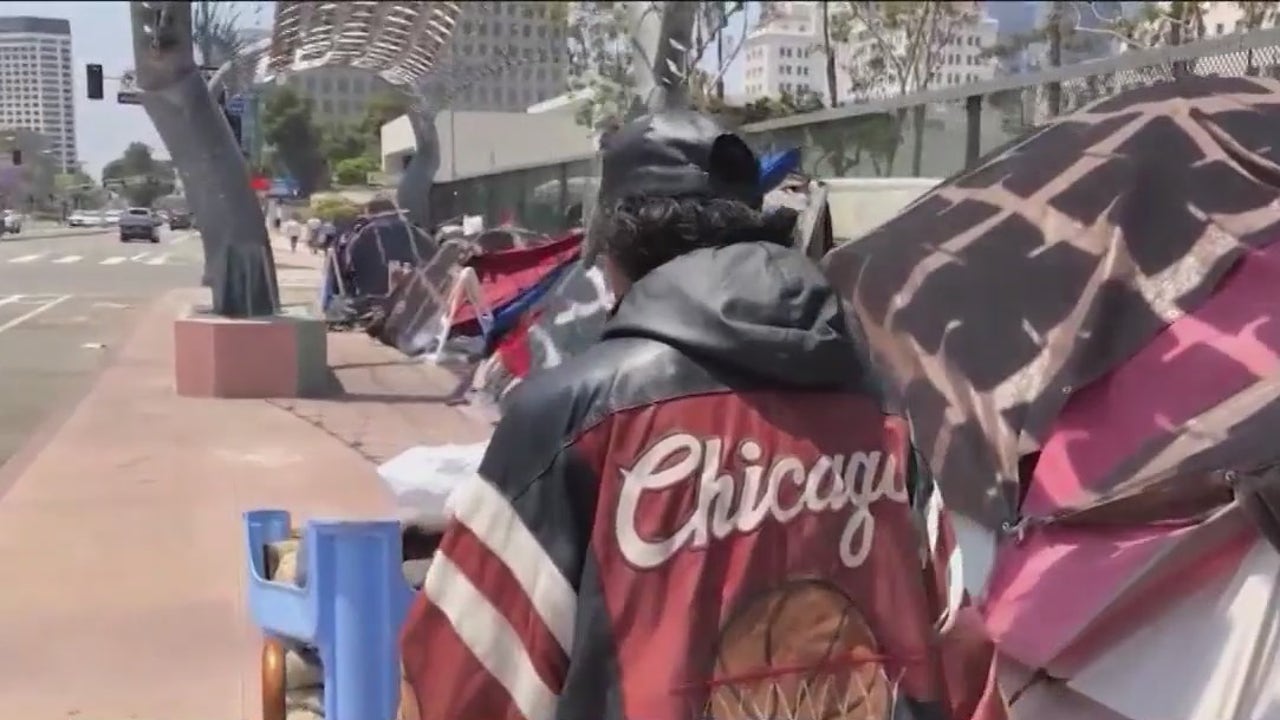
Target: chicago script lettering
726,505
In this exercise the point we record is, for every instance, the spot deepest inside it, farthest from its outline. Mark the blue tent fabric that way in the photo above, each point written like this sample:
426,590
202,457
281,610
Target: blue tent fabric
508,315
775,167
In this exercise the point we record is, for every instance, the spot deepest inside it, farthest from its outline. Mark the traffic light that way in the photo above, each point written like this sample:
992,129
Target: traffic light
94,81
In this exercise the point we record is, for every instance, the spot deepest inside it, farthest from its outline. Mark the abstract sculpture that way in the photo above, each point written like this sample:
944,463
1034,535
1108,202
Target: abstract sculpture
413,194
239,267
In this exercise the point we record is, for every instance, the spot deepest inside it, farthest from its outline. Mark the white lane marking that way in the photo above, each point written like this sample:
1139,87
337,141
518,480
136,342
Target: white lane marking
10,299
158,260
27,258
68,259
27,316
114,260
139,257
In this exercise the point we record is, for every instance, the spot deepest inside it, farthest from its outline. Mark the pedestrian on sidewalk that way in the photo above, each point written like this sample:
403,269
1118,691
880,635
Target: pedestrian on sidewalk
712,505
314,239
293,230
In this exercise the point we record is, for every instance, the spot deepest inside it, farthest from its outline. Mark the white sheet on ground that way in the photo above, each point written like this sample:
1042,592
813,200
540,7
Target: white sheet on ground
422,478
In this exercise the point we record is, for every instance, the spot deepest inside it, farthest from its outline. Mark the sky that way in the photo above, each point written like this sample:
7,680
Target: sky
100,34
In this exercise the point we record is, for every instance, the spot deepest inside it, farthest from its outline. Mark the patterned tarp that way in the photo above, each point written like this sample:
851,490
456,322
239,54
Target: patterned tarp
997,295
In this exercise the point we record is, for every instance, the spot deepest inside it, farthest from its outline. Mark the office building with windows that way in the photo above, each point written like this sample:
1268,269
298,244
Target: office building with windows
339,94
504,56
37,91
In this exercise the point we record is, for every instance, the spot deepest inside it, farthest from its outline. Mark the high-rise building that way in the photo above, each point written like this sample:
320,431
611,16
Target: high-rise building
36,87
504,56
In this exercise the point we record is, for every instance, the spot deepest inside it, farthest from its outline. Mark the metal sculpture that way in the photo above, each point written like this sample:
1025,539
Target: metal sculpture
413,194
239,267
661,35
399,42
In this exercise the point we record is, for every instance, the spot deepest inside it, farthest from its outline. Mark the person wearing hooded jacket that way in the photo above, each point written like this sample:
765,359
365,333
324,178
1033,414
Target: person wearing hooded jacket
714,511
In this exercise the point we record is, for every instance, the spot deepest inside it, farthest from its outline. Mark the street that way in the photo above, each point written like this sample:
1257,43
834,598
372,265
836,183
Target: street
65,302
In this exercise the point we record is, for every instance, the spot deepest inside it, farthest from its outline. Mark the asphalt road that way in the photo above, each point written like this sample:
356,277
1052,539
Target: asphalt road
64,303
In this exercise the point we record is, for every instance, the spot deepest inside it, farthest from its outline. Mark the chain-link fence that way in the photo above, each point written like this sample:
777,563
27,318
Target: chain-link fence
932,134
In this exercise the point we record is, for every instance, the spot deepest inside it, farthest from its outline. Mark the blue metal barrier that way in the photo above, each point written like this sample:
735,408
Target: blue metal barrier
350,608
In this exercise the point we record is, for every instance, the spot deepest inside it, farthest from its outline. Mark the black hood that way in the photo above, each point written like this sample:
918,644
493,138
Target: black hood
757,309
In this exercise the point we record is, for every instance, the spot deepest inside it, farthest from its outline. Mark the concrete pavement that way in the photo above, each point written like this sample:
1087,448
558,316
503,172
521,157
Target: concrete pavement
66,303
120,538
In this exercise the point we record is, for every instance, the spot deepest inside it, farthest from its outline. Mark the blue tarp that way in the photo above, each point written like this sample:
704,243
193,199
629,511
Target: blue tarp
775,167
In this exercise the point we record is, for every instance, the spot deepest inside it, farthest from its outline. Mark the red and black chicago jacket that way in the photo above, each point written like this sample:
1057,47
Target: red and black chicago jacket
711,513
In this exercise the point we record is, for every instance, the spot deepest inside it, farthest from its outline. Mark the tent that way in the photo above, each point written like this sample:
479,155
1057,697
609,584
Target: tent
1083,330
465,286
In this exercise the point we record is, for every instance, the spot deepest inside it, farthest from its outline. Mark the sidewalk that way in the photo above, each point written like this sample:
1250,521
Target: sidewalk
120,540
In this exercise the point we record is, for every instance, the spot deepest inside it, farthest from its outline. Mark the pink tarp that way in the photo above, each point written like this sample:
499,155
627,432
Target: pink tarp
1048,593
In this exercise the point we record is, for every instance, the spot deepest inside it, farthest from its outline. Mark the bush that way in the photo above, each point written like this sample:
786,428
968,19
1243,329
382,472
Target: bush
354,171
334,208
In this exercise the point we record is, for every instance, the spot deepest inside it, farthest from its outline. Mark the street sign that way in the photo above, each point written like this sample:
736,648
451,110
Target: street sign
235,104
129,93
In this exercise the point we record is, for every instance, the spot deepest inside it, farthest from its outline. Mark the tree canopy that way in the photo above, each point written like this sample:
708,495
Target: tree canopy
139,176
288,125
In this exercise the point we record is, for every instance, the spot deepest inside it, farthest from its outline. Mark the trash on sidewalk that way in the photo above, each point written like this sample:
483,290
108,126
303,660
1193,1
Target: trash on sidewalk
423,478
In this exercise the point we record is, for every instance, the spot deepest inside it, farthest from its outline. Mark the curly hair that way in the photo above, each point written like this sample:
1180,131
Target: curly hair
640,234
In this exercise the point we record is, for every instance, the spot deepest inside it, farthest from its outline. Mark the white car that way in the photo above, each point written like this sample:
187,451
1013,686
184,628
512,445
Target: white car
111,217
12,222
82,219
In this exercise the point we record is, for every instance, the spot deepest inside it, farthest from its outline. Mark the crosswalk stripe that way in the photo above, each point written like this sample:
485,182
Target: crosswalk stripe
139,257
27,258
10,299
159,260
69,259
114,260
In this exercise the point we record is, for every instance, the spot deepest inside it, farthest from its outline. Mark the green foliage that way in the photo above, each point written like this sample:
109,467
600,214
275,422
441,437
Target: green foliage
334,208
341,141
354,171
351,150
382,109
139,176
288,125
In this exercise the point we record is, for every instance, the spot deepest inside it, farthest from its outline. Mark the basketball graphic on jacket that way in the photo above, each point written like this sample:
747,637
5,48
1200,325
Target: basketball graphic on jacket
798,652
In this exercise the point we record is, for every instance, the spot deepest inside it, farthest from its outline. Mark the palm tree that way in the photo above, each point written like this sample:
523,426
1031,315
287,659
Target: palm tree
216,30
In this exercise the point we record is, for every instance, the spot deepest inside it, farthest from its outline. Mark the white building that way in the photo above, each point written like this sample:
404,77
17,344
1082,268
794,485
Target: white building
36,87
503,56
784,53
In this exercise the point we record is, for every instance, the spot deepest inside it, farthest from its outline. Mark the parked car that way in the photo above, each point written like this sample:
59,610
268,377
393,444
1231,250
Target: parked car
111,217
12,222
81,218
180,220
139,224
